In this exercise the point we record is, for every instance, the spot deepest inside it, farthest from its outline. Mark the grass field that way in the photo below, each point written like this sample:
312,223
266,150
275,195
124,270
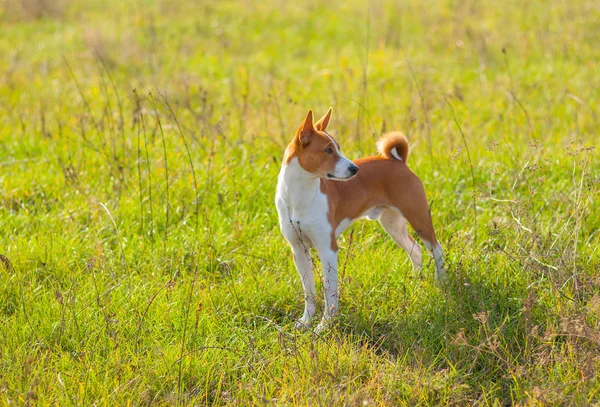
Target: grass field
141,259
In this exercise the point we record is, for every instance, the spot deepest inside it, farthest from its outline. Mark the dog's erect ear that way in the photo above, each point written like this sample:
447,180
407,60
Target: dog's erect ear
307,129
322,124
307,125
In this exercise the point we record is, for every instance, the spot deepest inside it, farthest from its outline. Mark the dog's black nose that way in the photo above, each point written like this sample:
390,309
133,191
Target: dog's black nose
353,169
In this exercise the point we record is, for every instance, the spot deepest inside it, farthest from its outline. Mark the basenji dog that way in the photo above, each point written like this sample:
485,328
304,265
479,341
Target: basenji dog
320,193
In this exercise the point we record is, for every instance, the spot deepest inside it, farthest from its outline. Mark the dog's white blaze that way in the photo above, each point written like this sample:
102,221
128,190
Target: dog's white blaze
342,167
395,154
337,150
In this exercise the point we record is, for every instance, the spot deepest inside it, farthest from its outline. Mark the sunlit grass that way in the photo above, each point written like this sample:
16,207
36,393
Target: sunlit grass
147,266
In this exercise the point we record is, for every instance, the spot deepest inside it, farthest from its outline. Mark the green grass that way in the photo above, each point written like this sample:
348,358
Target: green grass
142,261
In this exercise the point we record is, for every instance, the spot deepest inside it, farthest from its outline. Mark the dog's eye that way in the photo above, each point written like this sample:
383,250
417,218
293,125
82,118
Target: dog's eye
328,150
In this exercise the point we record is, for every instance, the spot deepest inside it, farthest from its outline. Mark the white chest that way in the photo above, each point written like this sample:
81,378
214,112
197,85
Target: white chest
301,205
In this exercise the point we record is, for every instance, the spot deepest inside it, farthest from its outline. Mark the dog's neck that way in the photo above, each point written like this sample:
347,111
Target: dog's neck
297,186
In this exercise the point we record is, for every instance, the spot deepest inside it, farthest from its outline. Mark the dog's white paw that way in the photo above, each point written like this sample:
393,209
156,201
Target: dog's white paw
323,326
302,325
440,276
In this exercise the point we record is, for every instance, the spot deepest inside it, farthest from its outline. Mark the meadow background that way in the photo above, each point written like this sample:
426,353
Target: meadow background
141,260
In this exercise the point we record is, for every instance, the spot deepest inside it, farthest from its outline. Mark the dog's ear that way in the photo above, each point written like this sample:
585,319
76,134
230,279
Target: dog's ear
307,129
322,124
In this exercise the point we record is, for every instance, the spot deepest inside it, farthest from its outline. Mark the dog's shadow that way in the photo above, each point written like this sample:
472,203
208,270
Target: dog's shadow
462,310
469,314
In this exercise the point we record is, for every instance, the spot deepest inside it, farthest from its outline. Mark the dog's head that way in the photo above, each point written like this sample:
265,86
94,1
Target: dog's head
318,153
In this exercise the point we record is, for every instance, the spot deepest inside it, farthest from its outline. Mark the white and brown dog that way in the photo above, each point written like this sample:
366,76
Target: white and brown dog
320,193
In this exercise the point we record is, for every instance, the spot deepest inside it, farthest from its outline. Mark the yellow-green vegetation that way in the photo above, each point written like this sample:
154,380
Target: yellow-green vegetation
142,261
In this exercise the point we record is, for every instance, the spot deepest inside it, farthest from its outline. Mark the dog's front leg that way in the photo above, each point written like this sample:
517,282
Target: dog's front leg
329,262
304,266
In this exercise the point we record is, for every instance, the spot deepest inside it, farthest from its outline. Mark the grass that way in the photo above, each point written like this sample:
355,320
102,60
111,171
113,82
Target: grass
141,257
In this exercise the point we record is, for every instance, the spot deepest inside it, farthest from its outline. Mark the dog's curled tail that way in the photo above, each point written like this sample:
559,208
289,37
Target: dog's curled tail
394,146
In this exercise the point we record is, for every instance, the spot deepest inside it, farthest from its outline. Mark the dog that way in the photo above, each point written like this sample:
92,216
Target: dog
320,193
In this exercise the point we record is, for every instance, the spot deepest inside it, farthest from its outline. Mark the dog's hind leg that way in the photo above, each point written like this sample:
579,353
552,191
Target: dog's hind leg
415,209
396,226
438,257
